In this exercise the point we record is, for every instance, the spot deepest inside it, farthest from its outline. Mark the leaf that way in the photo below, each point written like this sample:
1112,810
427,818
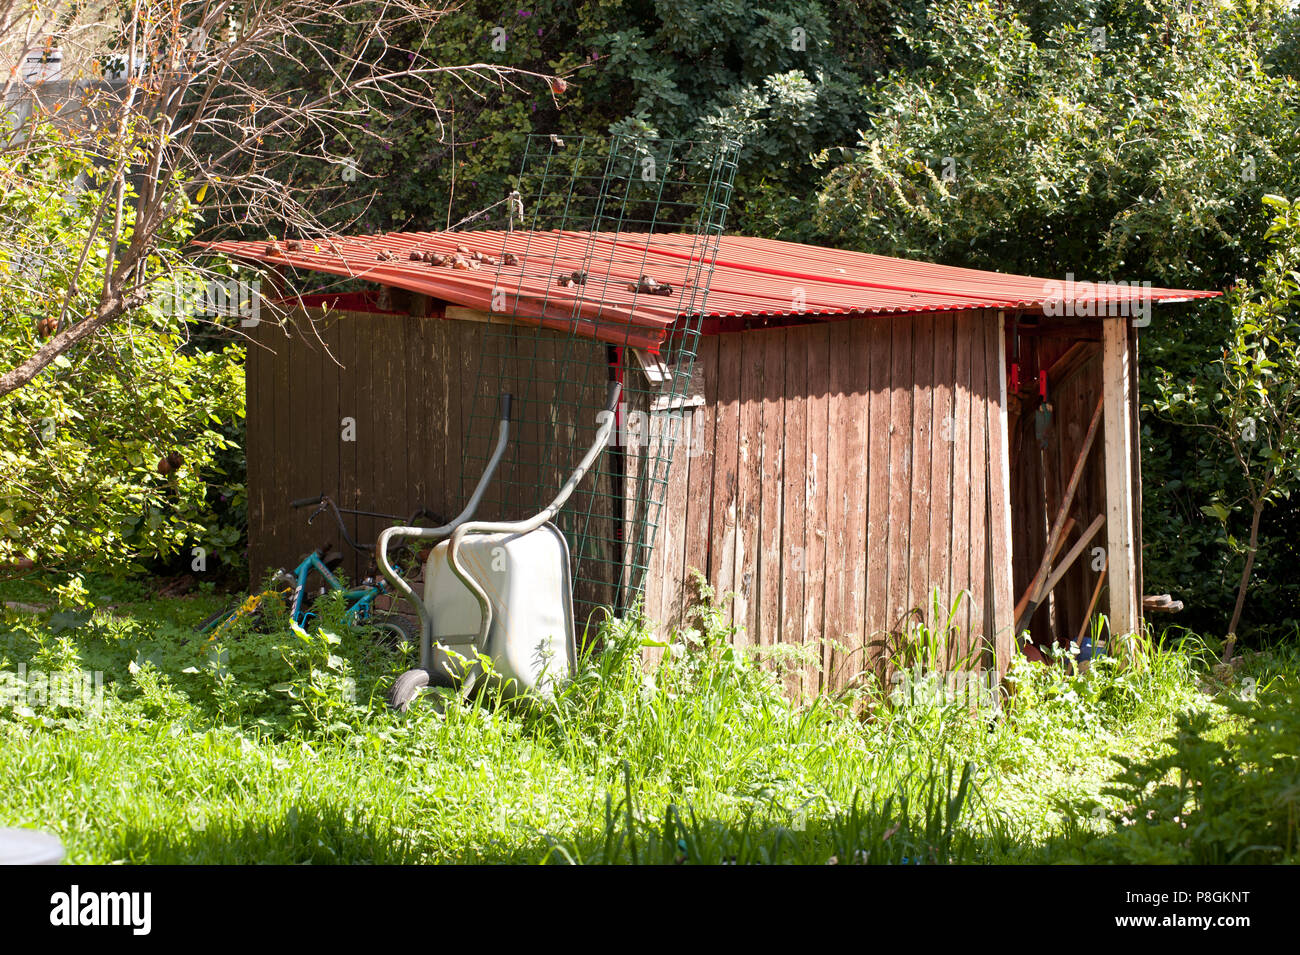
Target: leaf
1216,510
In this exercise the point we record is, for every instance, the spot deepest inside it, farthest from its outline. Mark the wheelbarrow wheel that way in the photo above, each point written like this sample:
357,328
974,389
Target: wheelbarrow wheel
406,688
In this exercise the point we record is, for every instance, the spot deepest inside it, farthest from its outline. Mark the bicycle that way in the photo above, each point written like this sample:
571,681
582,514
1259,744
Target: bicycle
290,588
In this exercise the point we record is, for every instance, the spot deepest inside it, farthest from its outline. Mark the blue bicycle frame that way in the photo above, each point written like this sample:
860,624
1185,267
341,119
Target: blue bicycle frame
358,600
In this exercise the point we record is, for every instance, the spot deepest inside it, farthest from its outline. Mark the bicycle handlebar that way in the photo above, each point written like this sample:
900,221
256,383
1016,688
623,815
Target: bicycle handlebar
325,501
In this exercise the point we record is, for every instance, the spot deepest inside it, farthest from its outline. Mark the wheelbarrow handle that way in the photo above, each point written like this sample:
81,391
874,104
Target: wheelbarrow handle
389,534
606,421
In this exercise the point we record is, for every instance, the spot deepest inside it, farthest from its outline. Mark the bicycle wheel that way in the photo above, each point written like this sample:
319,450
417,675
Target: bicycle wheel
211,622
248,607
394,628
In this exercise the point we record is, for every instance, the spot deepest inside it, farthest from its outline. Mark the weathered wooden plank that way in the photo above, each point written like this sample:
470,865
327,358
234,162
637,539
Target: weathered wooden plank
961,477
676,471
324,419
877,623
900,472
544,374
634,437
397,490
999,523
550,374
771,557
480,366
342,435
455,338
749,492
302,475
815,497
592,503
371,431
1135,402
794,496
433,405
605,488
700,435
837,653
1121,560
726,474
938,573
259,433
979,469
918,553
283,519
857,481
415,372
665,557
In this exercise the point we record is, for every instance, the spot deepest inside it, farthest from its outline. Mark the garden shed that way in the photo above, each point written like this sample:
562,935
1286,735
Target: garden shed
826,434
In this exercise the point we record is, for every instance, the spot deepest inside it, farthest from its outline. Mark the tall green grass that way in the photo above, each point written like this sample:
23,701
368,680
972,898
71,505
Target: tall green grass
280,749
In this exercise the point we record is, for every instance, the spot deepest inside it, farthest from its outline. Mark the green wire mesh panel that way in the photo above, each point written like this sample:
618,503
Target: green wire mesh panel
580,219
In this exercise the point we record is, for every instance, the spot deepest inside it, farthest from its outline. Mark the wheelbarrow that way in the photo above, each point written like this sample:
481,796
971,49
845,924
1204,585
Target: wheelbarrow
495,589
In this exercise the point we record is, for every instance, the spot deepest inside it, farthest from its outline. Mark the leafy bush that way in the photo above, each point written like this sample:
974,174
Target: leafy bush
1248,400
1215,797
106,458
786,77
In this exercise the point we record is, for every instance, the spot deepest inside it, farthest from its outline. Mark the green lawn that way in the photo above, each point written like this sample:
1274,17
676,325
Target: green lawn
281,750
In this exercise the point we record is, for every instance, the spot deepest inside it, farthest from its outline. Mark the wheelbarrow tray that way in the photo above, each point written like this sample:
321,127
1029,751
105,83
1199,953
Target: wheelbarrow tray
527,579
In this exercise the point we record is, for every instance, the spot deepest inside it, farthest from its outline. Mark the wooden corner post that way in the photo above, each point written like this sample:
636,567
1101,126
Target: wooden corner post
1121,556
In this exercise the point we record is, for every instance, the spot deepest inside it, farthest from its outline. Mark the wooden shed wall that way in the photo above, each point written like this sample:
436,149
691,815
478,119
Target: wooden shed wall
415,387
835,474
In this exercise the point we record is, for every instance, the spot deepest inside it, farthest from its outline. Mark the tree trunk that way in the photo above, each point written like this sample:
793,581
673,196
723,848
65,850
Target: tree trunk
1251,548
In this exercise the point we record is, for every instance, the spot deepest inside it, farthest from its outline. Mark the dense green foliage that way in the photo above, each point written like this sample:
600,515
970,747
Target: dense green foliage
788,78
1248,399
110,456
277,747
1213,800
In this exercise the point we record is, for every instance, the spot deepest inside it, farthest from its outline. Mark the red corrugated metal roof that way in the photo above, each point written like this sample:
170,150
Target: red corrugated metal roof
751,278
